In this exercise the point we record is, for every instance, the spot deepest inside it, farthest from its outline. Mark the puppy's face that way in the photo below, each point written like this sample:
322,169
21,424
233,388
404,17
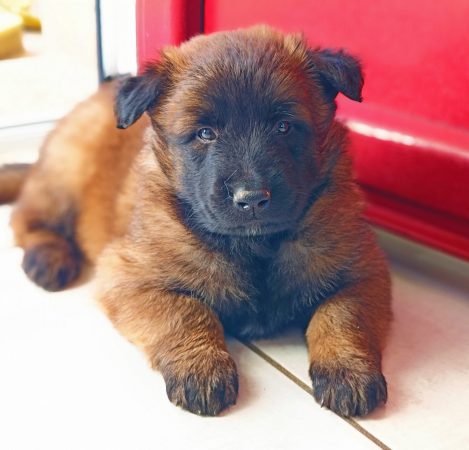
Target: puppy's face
241,116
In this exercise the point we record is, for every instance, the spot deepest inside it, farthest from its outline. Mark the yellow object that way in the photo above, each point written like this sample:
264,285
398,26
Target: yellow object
23,9
31,22
11,34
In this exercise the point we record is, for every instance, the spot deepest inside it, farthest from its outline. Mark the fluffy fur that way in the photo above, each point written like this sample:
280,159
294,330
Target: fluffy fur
180,259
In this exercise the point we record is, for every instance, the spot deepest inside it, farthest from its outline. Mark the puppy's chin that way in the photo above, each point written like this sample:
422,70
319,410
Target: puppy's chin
249,229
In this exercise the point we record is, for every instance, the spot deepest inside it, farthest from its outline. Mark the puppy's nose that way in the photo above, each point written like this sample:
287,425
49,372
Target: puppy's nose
247,200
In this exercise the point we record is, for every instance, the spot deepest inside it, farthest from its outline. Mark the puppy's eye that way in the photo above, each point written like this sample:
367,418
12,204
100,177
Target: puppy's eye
206,134
283,127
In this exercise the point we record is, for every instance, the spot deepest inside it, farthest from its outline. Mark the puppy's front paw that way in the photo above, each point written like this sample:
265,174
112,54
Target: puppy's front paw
204,385
52,265
348,392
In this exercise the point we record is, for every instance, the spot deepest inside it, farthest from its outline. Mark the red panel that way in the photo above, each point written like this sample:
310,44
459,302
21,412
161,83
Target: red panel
165,22
446,233
425,162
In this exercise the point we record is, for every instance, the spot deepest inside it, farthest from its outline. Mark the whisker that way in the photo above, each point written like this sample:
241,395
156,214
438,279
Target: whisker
231,175
226,186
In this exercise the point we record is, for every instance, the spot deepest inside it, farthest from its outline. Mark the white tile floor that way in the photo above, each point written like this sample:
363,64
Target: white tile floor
69,381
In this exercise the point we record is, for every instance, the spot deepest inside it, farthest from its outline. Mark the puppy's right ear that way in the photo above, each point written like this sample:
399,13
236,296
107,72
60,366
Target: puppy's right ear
135,96
338,72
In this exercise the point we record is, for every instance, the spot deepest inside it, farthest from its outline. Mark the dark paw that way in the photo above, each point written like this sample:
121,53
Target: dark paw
348,392
52,265
206,386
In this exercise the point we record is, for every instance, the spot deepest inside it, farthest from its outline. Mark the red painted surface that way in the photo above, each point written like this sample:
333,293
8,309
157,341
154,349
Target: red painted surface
444,232
164,22
416,59
410,157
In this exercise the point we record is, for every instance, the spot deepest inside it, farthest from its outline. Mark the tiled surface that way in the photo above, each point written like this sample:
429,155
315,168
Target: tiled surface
426,364
69,381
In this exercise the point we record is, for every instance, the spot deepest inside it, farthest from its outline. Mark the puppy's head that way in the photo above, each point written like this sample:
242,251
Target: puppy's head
241,117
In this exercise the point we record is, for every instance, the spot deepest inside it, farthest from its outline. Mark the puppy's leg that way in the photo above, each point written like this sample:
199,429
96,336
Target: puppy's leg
182,337
184,340
66,209
345,339
51,258
44,217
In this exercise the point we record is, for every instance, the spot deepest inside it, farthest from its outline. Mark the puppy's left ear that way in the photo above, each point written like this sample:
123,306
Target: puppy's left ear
135,96
338,72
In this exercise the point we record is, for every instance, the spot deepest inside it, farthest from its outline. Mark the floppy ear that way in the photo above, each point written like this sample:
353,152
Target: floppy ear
338,72
135,96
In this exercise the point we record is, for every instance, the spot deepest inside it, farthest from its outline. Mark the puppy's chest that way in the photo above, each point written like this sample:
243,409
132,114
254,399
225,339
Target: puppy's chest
275,296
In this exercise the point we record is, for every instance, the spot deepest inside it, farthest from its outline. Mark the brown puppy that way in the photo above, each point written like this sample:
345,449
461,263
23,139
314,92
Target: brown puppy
239,213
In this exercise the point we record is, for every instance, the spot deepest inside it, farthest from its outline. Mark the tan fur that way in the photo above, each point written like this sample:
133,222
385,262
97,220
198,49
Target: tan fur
84,163
94,195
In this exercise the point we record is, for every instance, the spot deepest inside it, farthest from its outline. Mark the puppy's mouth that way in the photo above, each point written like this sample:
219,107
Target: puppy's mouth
253,228
250,227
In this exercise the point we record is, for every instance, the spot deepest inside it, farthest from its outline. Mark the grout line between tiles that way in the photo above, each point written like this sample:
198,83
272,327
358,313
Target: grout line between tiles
309,390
